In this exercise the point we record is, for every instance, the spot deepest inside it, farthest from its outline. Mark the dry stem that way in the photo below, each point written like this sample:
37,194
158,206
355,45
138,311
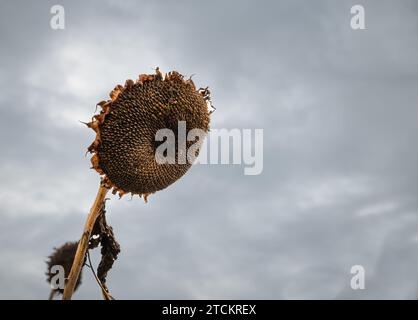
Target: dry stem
84,242
105,292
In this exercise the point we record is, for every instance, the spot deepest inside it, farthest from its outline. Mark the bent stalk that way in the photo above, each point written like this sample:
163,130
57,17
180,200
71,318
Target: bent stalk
84,242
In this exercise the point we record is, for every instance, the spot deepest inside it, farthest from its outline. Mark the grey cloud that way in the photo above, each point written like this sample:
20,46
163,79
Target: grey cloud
338,109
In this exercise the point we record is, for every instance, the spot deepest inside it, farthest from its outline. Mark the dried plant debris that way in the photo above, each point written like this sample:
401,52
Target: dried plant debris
124,147
103,234
62,256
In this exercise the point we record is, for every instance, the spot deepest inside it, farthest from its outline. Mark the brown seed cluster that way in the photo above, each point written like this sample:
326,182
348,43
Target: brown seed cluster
63,256
124,148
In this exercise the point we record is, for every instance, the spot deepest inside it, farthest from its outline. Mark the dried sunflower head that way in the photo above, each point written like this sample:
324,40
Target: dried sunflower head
124,148
62,256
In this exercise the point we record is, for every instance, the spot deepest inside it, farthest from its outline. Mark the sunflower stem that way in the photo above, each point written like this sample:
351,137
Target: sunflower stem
84,242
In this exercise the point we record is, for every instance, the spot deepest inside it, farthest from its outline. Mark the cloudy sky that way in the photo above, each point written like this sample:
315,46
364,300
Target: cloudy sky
339,109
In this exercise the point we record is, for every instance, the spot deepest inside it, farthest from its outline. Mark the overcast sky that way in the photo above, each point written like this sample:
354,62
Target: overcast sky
339,109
